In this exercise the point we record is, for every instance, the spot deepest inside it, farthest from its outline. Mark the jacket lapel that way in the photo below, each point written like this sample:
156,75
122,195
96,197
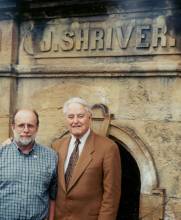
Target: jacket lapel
62,154
84,160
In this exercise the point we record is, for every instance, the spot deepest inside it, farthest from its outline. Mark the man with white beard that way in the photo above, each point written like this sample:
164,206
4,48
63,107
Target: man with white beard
28,173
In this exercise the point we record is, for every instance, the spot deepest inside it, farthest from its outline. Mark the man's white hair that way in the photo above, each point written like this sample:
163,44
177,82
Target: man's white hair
76,100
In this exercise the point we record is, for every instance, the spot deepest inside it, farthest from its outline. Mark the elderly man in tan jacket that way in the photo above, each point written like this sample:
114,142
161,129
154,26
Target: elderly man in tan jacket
89,172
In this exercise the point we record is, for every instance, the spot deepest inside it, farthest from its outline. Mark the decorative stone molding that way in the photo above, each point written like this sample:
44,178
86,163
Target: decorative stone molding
139,151
110,70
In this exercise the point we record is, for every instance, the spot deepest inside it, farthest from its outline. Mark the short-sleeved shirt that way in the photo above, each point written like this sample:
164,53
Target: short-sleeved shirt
27,182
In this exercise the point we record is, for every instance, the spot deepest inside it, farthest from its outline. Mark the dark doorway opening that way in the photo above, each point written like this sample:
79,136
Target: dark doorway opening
131,184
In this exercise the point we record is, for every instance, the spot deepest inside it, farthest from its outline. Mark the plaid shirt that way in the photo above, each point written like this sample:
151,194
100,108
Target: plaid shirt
27,182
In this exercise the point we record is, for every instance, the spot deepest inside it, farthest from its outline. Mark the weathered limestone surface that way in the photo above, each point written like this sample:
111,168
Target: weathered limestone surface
8,56
6,102
7,42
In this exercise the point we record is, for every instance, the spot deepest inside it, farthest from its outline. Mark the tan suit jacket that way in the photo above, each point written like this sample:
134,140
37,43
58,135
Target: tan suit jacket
94,189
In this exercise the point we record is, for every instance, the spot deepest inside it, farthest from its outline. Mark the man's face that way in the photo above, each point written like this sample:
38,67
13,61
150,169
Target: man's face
25,128
78,119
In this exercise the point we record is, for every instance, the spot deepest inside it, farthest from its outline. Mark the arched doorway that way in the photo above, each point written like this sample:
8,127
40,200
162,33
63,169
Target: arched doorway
139,151
130,187
139,179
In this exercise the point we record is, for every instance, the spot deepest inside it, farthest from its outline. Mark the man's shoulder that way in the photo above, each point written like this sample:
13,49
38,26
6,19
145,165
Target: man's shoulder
103,140
5,146
46,149
59,142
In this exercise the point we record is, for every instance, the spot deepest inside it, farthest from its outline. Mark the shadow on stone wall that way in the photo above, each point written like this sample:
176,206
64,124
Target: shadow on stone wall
174,22
83,8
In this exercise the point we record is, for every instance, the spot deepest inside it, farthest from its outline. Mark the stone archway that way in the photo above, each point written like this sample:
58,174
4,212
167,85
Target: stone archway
140,153
151,196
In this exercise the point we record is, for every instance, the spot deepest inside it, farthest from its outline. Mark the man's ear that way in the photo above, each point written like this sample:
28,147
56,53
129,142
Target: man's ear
13,126
90,115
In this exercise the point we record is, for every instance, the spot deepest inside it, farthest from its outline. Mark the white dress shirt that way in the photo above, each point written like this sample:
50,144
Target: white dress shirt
72,145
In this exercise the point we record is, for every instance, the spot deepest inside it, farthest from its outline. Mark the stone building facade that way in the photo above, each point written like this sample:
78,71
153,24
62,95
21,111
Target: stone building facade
125,55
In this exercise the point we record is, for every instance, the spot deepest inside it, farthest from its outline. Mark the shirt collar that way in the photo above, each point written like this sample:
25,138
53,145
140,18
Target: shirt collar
83,138
18,148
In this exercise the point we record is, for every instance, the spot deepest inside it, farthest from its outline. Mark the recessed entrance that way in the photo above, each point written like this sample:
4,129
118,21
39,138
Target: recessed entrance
139,179
130,188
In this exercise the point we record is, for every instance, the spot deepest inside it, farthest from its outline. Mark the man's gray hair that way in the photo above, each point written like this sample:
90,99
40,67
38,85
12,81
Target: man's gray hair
76,100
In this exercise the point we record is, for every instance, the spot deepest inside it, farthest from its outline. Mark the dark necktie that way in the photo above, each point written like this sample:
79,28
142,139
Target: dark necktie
72,162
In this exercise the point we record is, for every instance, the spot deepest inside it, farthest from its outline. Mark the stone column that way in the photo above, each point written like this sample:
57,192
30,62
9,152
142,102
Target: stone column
8,57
